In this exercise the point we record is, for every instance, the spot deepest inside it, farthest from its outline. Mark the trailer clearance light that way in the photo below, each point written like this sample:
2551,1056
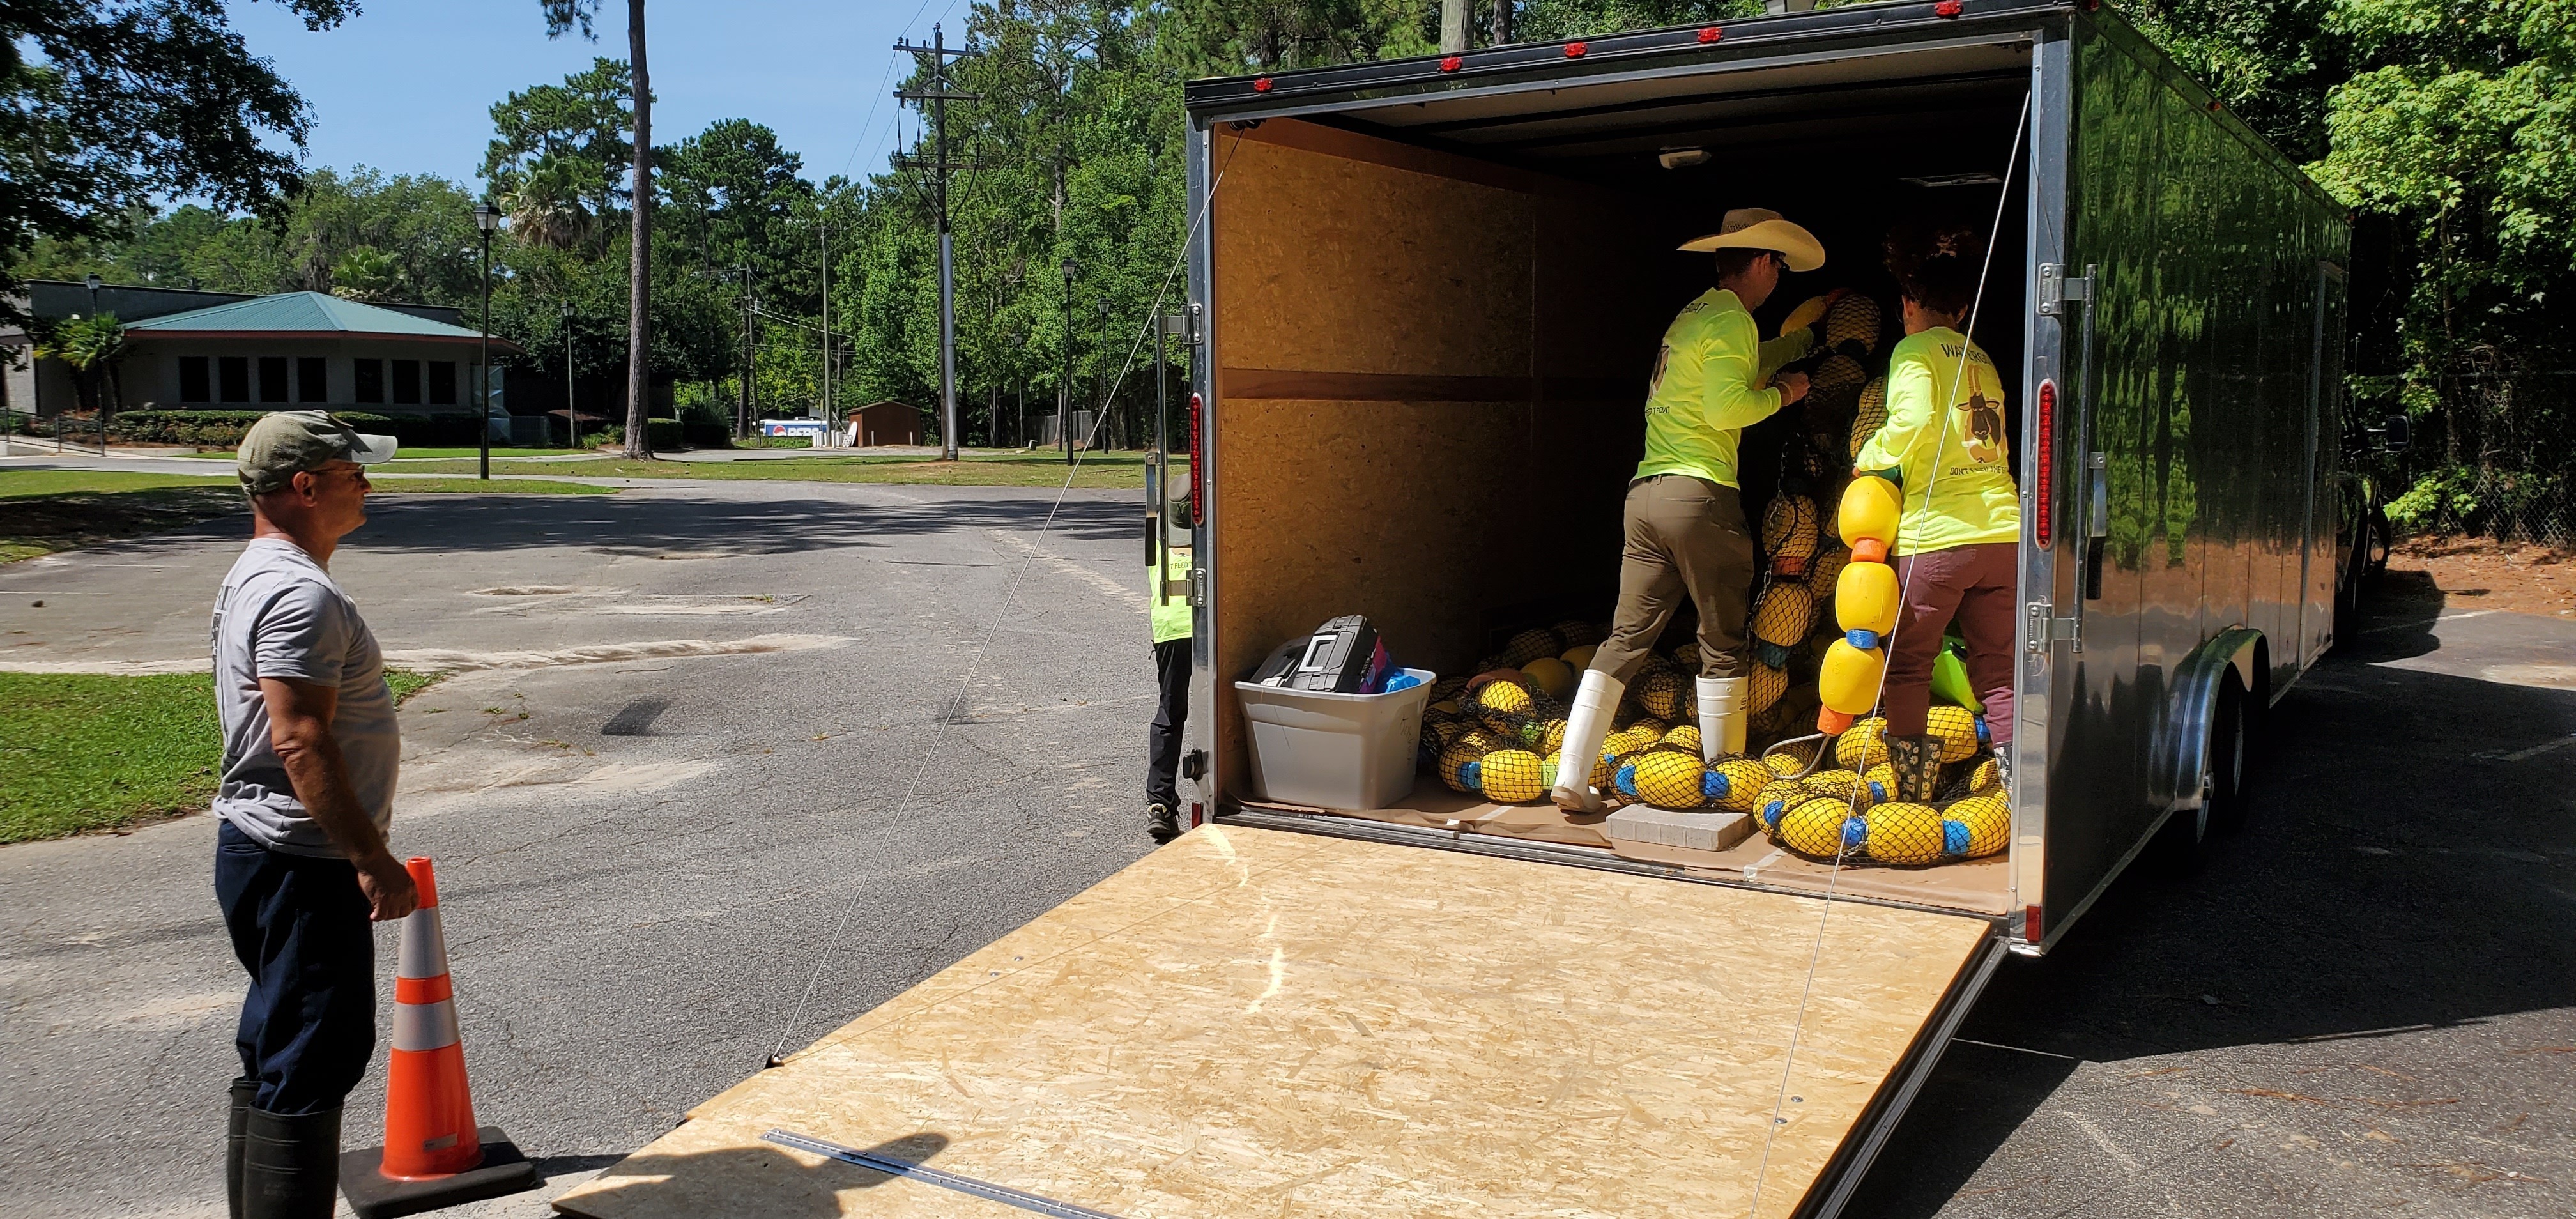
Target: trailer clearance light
2043,462
1947,8
1452,63
1575,50
1711,34
1262,85
1198,462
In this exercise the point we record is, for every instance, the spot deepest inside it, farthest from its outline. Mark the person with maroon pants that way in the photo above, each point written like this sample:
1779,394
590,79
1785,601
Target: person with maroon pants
1944,445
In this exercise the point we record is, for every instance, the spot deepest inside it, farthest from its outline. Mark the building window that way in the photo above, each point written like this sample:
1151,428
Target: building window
371,381
193,386
407,382
234,377
272,378
312,379
442,383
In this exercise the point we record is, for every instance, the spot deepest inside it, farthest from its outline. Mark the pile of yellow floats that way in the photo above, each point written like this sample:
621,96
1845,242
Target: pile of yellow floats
1821,792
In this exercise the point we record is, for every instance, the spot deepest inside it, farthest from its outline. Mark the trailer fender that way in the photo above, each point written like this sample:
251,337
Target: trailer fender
2184,753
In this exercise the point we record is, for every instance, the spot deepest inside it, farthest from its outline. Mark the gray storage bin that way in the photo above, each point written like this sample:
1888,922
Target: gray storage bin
1351,751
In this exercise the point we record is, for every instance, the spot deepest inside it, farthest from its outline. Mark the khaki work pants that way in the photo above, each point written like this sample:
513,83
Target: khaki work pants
1684,535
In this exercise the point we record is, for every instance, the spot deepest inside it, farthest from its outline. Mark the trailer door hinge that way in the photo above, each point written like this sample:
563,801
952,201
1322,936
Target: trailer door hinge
1198,586
2056,287
2045,629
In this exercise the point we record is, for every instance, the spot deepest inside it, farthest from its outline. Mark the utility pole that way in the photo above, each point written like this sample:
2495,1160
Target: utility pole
1100,377
1064,381
750,357
824,225
939,95
572,409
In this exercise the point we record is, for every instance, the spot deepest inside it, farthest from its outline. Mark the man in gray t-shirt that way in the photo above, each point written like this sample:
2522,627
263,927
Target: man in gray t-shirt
301,865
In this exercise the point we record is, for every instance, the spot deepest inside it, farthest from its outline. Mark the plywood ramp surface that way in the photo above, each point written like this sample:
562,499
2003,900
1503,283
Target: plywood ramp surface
1261,1023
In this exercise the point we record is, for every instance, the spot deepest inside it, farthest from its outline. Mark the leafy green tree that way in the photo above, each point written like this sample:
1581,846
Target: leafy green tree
92,346
106,104
578,137
566,16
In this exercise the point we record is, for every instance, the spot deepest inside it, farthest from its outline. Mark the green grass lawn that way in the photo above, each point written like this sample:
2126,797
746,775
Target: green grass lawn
82,752
42,511
500,486
419,454
1044,468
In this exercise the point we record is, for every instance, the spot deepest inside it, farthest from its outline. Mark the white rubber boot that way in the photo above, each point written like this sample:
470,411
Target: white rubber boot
1721,717
1595,702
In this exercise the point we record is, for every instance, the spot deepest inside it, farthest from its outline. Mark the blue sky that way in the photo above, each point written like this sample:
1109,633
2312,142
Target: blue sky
407,87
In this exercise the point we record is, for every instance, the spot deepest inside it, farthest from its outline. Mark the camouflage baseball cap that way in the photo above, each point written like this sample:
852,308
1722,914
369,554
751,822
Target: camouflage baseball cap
288,443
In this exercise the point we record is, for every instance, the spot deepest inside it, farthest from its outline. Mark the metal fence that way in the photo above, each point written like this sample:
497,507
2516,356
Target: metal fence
2494,457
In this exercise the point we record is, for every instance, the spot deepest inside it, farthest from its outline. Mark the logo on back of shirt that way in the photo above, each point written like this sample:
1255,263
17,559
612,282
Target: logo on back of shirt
1982,431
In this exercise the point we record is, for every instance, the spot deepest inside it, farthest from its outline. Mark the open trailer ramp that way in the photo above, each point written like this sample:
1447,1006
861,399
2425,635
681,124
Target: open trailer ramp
1258,1022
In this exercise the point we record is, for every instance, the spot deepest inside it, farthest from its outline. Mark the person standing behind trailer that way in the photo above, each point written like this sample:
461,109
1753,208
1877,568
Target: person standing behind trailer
306,798
1683,521
1171,614
1945,444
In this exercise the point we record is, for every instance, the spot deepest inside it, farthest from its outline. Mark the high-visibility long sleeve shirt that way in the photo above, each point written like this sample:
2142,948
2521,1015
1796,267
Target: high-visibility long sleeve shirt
1171,611
1778,352
1945,440
1703,394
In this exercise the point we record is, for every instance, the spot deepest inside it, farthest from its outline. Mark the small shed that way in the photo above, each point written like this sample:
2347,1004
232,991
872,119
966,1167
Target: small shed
882,423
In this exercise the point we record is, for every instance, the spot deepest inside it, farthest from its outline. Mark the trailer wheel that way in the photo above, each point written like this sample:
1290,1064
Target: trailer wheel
2231,748
2179,847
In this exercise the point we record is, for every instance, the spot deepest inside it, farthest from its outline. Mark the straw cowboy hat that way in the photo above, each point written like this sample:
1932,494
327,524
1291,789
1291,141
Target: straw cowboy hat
1756,228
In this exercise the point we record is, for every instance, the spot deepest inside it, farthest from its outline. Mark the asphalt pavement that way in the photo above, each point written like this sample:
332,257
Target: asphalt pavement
673,783
695,732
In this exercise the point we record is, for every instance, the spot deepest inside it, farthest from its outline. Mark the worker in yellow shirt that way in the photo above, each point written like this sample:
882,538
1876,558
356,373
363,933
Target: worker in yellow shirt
1683,521
1945,445
1167,601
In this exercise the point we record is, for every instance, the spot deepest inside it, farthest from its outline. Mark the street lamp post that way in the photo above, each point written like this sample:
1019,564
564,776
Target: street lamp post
486,218
1064,383
93,281
572,410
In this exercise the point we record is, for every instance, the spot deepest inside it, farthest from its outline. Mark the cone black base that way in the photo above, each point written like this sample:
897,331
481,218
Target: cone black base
373,1195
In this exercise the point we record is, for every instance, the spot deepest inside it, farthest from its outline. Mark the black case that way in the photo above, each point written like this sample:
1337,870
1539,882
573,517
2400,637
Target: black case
1339,657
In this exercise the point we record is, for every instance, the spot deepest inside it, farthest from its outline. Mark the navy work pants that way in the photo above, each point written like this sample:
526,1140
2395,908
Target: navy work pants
1163,738
300,926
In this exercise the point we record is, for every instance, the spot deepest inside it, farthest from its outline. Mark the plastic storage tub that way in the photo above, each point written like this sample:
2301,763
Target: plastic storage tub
1349,751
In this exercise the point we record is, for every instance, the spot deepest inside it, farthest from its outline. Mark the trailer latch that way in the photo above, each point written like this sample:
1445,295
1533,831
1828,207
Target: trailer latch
2056,287
2046,629
1198,586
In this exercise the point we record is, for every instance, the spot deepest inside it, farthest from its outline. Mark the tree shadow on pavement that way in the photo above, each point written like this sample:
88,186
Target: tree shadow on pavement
2400,870
677,523
762,1179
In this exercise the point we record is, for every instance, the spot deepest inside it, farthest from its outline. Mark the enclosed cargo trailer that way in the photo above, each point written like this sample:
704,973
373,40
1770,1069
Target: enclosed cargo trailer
1427,295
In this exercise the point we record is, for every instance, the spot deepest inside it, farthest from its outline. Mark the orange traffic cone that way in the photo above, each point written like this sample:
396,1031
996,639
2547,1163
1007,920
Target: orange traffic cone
434,1155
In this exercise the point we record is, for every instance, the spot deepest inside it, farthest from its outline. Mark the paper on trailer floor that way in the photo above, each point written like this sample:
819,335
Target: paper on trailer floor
1251,1022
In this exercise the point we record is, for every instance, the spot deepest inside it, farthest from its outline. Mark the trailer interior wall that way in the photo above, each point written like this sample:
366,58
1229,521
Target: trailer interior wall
2212,394
1432,326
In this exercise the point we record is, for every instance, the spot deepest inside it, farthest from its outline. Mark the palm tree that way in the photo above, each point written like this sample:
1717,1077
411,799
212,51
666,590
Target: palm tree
564,15
367,274
545,207
92,346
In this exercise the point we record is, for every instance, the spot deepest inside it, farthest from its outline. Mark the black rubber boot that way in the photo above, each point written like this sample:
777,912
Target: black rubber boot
237,1131
1160,824
290,1165
1917,763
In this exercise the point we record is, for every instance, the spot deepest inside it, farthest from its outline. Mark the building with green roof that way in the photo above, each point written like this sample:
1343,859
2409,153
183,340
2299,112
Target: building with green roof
289,351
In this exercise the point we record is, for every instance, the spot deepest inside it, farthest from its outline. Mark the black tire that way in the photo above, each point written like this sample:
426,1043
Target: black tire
2233,736
2185,840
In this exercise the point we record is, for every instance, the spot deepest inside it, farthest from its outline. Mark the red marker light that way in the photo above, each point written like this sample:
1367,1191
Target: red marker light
1452,64
2044,461
1948,8
1575,50
1711,34
1262,85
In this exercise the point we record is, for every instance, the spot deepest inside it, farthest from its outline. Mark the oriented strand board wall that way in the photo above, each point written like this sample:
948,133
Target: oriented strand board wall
1428,380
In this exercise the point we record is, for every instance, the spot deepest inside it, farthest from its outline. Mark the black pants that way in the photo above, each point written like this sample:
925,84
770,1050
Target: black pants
299,925
1163,738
